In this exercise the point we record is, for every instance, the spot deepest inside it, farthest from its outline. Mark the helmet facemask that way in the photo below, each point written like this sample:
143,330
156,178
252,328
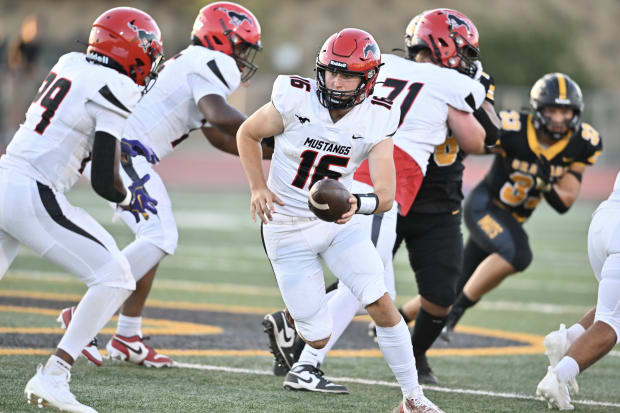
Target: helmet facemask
338,99
467,55
542,122
244,54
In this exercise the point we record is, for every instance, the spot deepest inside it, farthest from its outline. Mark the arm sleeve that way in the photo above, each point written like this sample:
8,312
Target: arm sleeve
102,167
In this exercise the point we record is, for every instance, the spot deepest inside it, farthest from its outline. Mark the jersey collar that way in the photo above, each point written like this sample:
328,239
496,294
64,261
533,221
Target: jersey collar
552,150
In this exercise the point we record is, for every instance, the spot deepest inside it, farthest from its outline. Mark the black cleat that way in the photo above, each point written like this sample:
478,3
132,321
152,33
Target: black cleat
306,377
446,334
284,342
425,373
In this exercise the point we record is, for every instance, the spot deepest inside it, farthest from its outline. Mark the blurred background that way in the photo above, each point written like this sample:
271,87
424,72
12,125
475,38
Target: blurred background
520,41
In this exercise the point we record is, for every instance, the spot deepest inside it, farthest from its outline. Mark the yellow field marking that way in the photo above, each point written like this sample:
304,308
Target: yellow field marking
169,327
176,305
161,326
193,286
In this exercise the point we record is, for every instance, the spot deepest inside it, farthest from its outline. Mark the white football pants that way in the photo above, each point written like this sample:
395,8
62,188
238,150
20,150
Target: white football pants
35,215
297,247
604,254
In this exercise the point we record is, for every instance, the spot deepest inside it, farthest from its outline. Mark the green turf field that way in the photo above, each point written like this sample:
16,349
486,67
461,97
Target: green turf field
220,283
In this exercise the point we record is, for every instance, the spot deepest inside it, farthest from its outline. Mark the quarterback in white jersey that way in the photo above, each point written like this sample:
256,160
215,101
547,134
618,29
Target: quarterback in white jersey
573,350
78,112
432,99
325,128
190,92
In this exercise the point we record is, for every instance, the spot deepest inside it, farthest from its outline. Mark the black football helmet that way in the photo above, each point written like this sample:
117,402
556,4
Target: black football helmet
556,89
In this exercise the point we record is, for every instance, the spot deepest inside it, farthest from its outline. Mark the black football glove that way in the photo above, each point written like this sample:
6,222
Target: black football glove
543,174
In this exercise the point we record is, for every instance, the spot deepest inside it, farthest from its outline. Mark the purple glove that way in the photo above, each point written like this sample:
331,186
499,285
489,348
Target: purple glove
141,201
133,147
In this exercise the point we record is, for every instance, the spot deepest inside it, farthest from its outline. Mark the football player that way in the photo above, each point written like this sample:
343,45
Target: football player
541,153
433,95
573,350
343,126
77,114
190,93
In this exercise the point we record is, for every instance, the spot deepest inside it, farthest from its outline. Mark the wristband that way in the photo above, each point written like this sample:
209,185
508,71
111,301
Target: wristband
575,174
127,201
554,200
366,203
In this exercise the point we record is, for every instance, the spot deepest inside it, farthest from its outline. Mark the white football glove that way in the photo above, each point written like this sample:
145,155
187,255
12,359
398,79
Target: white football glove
479,70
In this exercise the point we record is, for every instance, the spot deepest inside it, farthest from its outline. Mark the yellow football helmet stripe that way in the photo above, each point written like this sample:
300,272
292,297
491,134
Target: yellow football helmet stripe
561,86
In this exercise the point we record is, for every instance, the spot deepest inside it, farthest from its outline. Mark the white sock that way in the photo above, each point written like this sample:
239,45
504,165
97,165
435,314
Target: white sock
91,315
395,344
142,256
566,369
129,326
574,332
342,307
56,366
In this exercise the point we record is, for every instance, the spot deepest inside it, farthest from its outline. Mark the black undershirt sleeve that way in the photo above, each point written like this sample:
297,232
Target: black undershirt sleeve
102,167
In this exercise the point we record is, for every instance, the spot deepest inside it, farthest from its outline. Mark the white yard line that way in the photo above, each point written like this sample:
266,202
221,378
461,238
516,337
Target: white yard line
391,384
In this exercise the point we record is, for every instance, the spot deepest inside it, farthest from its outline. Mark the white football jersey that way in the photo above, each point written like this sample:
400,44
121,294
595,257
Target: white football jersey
169,111
615,193
57,136
423,92
312,146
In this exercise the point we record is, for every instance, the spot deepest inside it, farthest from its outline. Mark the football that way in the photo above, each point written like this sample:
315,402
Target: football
328,199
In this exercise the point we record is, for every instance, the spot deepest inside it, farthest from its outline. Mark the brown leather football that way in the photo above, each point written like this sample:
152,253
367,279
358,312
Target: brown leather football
328,199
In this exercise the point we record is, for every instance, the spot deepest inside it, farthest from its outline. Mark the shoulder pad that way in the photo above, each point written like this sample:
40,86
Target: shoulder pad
463,92
215,67
594,143
288,91
512,121
118,94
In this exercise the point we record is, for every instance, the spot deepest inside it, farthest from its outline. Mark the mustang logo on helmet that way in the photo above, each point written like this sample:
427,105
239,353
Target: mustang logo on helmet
456,21
146,38
370,47
236,18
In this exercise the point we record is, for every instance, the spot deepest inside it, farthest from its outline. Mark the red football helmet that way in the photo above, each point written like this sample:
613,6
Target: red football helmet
451,37
231,29
129,41
352,52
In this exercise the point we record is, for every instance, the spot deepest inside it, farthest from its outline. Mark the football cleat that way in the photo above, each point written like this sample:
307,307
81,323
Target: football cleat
556,345
417,403
372,331
555,393
446,334
284,342
310,378
133,350
50,390
91,351
425,373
